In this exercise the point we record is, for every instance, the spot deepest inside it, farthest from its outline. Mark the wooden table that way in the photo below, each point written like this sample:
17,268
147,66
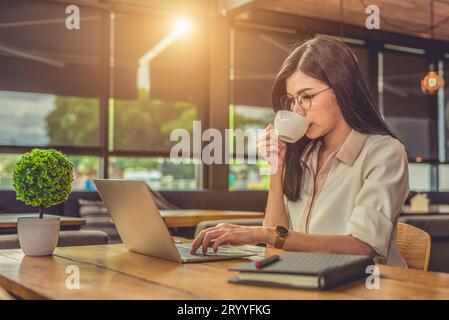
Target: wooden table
190,218
8,222
112,272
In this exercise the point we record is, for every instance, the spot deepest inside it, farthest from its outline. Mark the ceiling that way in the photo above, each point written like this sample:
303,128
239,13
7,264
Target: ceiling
411,17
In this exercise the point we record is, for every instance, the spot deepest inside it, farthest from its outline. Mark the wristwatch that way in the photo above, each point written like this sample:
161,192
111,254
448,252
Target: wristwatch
282,233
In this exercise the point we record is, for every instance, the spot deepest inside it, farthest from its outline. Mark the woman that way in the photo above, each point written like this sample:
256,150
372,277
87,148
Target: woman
340,188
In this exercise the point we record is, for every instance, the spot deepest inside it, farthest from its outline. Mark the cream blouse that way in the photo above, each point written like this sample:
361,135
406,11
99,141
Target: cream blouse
359,191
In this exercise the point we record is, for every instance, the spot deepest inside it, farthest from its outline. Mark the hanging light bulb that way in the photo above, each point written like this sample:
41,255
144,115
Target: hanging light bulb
431,83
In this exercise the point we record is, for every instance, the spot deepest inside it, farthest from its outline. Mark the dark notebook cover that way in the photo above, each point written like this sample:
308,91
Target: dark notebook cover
330,269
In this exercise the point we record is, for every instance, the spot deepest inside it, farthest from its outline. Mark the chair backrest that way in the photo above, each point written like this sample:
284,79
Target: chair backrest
414,245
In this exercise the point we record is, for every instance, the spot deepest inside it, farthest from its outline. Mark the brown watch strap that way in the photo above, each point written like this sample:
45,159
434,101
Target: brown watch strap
279,243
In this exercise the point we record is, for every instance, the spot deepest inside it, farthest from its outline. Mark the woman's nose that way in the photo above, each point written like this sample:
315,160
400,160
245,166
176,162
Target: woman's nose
299,110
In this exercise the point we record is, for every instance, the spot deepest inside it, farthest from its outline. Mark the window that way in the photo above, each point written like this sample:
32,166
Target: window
39,119
443,177
7,164
253,73
159,173
420,177
409,112
86,169
54,84
50,76
246,176
252,76
248,118
55,87
446,105
156,85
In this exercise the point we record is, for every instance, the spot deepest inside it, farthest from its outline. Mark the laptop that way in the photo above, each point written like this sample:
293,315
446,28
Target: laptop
142,229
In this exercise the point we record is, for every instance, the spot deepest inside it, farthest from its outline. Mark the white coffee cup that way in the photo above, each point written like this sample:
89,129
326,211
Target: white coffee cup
290,125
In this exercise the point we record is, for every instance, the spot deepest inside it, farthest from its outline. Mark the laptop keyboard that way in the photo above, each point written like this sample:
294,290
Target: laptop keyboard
184,251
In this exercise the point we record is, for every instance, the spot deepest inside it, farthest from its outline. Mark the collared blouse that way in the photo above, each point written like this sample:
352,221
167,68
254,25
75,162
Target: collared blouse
359,191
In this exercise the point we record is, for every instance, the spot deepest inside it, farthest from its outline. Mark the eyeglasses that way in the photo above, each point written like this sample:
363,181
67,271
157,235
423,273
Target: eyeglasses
304,100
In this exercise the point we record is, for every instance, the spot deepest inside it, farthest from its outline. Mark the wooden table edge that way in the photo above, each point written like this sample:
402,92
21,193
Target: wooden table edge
17,288
65,221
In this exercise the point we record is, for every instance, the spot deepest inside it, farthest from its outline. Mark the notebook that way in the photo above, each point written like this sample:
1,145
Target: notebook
305,270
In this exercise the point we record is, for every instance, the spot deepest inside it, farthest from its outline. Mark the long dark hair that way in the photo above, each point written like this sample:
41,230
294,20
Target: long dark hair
332,62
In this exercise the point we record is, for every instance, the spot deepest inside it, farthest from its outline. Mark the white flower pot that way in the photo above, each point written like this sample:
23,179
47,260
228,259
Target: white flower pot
38,237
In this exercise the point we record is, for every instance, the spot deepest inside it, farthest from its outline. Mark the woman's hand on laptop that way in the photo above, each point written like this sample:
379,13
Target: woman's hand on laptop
229,234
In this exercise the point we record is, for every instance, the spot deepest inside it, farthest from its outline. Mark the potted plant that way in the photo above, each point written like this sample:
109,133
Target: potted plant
42,178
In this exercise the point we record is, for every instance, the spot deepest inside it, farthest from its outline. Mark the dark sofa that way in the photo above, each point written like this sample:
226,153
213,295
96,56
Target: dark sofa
201,199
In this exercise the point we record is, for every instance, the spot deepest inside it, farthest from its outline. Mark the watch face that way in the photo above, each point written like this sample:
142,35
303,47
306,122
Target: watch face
281,230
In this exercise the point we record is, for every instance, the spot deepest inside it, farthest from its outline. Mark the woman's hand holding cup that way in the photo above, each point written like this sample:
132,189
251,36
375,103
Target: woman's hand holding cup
272,149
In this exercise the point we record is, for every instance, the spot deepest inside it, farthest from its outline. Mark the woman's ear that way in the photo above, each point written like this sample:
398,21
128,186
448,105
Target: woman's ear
334,98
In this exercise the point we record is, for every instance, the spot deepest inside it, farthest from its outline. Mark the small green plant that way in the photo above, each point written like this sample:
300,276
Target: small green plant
43,178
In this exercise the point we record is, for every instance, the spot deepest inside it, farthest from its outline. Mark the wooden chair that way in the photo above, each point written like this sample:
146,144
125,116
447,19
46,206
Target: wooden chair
414,246
4,295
